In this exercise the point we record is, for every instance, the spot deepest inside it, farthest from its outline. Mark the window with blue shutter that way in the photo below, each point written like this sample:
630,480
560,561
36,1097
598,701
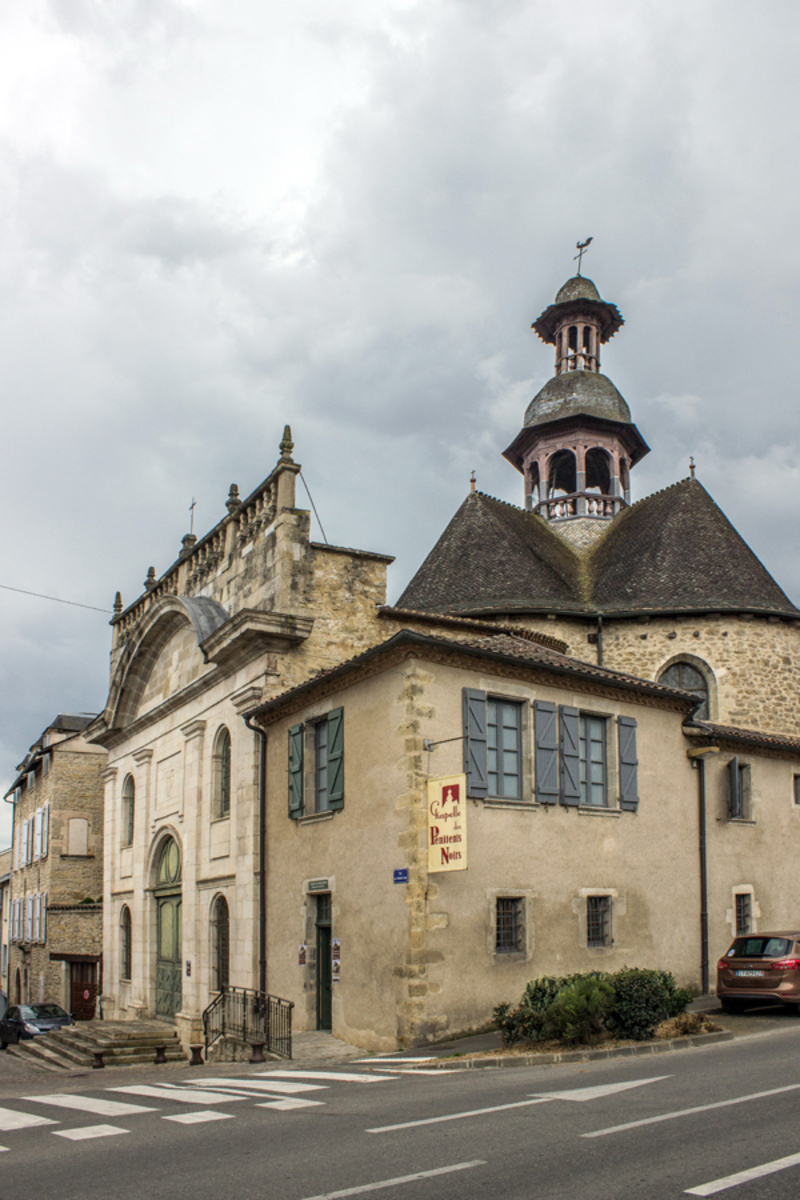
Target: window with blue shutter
628,764
475,742
569,728
545,728
504,748
594,792
43,928
296,771
335,757
45,830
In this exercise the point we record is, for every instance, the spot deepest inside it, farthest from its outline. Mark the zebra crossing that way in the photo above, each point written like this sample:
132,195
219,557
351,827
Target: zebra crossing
121,1106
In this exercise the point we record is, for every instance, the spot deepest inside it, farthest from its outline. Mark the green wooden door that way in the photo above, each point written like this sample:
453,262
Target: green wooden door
324,964
168,939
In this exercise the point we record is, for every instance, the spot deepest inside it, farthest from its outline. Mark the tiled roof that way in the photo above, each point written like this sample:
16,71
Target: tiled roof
751,737
675,551
502,646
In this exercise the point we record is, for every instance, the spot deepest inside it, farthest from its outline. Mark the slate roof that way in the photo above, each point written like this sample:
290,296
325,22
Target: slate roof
577,393
674,551
578,295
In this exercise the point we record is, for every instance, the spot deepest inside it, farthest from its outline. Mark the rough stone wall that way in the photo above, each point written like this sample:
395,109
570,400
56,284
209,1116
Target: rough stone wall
580,532
754,661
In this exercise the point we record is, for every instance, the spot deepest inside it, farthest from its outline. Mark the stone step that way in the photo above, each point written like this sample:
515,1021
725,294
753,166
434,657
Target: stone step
121,1045
72,1037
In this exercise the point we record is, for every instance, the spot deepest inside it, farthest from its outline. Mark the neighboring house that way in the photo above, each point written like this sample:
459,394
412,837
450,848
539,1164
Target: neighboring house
56,879
5,905
248,610
579,832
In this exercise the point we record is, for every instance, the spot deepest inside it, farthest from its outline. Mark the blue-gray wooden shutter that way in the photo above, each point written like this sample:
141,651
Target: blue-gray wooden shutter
569,721
628,764
296,771
336,758
545,726
734,801
475,761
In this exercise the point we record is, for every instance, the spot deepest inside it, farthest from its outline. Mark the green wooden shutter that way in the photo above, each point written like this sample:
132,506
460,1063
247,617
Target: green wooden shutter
296,771
628,764
569,722
546,734
336,758
734,795
474,730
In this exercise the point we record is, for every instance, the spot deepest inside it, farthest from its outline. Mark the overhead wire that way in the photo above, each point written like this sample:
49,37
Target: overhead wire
57,599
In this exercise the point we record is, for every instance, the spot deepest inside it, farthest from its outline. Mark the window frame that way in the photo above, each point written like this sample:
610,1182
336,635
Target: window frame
508,702
515,926
599,929
125,944
742,909
584,761
128,811
222,772
740,790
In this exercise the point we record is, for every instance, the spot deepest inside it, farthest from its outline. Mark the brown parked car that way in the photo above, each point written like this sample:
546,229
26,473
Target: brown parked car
760,967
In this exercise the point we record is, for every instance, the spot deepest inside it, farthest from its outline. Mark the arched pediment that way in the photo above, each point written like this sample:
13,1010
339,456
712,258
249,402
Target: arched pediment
163,656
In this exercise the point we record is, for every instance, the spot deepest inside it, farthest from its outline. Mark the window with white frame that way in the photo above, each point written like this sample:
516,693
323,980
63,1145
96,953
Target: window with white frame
593,766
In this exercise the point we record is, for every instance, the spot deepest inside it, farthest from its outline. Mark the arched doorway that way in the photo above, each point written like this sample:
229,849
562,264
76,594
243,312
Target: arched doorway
168,937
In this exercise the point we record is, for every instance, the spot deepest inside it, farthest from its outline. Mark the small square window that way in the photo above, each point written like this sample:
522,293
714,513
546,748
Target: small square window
598,921
510,925
744,913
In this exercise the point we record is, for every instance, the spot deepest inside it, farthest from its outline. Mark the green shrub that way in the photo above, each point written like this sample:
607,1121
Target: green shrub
578,1012
642,1000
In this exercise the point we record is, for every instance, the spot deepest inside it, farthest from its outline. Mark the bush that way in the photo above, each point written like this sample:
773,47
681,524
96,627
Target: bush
642,999
578,1012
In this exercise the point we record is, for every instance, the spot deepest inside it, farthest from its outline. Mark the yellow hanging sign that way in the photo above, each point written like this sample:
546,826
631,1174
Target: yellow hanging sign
447,824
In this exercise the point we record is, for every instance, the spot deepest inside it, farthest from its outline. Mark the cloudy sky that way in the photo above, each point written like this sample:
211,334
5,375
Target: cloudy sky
219,216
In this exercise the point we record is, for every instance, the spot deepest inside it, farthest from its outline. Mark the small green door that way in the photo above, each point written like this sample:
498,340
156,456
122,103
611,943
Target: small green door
168,947
324,964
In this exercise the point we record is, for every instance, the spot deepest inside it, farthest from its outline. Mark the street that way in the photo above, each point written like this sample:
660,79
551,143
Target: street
718,1120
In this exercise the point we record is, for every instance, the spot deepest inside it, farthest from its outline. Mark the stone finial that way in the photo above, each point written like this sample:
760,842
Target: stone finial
188,542
151,580
472,482
118,604
233,503
287,445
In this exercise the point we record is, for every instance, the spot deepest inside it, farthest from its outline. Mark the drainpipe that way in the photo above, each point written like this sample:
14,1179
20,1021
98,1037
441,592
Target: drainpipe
599,640
262,856
698,758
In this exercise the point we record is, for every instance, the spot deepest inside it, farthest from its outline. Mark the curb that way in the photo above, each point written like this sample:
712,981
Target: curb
568,1056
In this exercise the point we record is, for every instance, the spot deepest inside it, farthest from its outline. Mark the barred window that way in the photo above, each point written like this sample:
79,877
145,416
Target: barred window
598,920
510,925
744,913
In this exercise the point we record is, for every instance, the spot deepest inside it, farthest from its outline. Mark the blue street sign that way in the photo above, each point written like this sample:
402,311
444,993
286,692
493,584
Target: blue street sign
401,875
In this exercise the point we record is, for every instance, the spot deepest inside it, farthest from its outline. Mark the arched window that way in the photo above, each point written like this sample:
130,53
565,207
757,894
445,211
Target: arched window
128,809
598,471
689,679
220,944
222,774
125,943
562,476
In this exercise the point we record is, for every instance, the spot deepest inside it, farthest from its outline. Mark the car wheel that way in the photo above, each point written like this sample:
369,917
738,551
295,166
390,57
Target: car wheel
4,1045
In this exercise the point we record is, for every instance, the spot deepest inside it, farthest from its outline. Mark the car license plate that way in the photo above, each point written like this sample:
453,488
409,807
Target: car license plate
758,973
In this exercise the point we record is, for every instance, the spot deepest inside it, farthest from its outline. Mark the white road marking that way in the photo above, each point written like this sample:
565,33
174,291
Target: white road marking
289,1102
387,1183
423,1071
91,1104
383,1061
473,1112
688,1112
196,1118
89,1131
281,1086
2,1148
184,1095
342,1075
729,1181
597,1093
21,1120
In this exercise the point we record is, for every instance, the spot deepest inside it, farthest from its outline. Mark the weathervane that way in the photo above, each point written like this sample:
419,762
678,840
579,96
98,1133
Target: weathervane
691,467
581,248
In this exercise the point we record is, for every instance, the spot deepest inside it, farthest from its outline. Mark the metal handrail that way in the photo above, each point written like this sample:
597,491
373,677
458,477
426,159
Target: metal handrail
250,1016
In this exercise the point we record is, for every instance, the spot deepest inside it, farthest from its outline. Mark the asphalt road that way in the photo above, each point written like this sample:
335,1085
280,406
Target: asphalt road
660,1126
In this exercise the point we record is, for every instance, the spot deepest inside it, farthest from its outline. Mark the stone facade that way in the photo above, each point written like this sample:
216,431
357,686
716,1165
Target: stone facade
5,907
419,959
56,880
249,610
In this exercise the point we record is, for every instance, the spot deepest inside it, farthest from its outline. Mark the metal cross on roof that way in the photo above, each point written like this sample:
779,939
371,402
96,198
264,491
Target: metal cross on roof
581,248
192,507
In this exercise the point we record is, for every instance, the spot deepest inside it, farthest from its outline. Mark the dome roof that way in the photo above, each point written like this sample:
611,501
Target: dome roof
577,393
577,288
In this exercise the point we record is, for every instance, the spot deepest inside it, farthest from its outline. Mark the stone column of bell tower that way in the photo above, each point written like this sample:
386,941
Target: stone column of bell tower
578,443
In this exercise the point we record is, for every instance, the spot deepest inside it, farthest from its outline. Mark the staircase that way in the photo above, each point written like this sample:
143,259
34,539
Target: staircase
121,1042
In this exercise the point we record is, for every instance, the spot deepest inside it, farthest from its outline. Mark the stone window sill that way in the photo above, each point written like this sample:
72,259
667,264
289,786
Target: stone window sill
501,802
77,856
220,820
740,821
586,811
311,818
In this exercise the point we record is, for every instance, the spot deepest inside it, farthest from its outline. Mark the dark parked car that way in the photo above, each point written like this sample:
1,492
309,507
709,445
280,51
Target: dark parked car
760,967
28,1020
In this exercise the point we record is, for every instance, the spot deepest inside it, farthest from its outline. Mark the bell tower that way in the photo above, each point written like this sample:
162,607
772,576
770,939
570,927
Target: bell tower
578,443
